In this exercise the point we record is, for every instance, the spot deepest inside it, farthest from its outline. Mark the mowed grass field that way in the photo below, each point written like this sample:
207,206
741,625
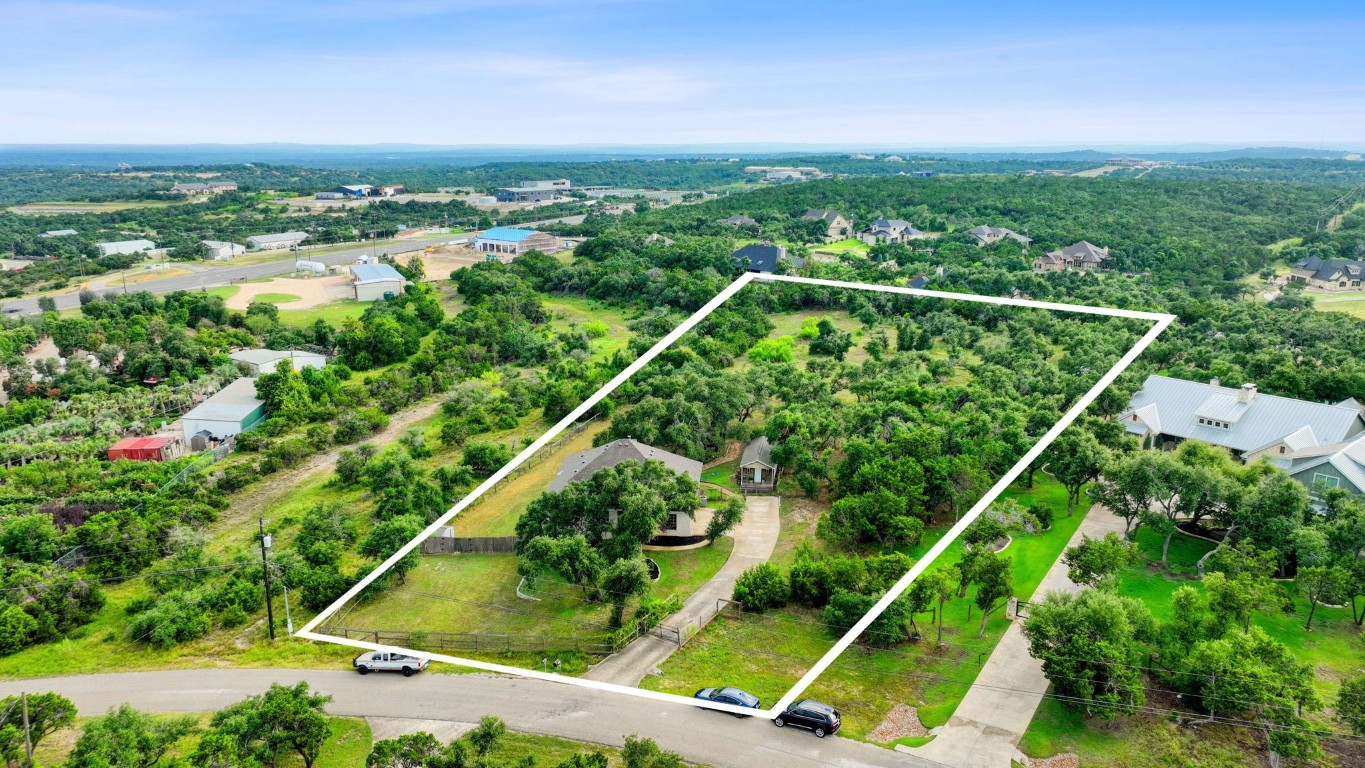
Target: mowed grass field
766,654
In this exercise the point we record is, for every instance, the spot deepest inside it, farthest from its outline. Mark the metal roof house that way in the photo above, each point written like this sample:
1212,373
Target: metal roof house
584,464
1330,466
230,411
158,448
511,241
121,247
265,360
757,472
275,241
1248,423
373,282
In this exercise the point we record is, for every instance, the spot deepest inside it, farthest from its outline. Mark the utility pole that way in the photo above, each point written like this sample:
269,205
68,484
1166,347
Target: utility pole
265,568
28,740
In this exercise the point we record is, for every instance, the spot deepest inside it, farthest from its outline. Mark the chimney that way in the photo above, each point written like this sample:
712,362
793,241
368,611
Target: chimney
1247,393
1214,382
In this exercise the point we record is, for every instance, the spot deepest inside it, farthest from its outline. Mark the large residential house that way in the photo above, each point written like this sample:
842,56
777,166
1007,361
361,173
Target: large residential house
1079,257
585,464
202,188
509,241
890,231
1329,274
760,257
836,226
1341,465
985,235
739,220
1250,424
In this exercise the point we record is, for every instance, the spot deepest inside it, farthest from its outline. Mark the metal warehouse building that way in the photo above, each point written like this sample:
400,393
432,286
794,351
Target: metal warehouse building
514,242
373,282
232,410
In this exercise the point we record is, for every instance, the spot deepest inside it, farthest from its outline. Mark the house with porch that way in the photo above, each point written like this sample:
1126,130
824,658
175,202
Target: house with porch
1079,257
757,472
890,231
984,235
1329,274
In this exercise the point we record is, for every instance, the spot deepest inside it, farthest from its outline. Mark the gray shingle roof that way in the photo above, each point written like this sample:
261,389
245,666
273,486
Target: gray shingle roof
761,258
757,451
584,464
1267,419
1330,269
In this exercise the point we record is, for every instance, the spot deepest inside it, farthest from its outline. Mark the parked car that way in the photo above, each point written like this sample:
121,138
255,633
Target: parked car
820,718
732,696
384,661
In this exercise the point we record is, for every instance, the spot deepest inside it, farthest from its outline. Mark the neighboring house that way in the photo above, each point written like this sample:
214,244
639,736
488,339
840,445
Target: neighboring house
265,360
1080,257
276,241
145,449
121,247
230,411
220,250
533,191
836,226
373,282
890,231
202,188
59,233
510,241
584,464
1330,274
1341,465
757,472
760,257
985,235
1250,424
739,220
919,283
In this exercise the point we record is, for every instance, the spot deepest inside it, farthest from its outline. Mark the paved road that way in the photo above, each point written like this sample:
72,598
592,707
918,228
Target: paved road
755,539
529,706
985,730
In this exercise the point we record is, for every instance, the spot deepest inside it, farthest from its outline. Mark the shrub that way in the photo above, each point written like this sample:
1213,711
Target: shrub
777,350
486,458
810,582
761,588
1043,514
595,329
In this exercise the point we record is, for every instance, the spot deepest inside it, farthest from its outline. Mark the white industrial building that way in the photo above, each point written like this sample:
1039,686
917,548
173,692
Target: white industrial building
230,411
265,360
276,241
221,250
121,247
373,282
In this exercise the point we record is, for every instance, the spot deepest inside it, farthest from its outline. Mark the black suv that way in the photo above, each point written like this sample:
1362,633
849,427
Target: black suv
820,718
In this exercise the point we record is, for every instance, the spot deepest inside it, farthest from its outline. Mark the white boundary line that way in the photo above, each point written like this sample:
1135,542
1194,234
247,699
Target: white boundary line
1161,322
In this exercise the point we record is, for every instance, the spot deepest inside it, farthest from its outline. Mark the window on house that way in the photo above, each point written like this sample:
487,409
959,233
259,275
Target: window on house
1282,449
1327,480
671,524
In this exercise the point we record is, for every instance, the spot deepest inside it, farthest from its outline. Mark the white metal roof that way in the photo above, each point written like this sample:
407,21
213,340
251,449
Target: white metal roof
234,402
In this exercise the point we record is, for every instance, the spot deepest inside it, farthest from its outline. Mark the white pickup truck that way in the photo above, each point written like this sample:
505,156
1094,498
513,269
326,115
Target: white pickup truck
384,661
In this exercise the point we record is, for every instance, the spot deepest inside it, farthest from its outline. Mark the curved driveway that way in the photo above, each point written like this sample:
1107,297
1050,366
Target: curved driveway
529,706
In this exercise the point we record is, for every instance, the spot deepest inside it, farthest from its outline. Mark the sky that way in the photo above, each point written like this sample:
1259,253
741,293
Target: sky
561,72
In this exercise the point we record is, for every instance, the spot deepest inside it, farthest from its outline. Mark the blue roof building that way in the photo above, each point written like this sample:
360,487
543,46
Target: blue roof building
513,242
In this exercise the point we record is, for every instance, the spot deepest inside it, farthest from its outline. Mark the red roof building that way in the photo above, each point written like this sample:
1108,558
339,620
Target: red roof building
144,449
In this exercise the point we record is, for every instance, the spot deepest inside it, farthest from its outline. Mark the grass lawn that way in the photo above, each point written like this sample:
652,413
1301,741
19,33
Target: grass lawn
223,292
334,312
722,475
275,298
497,512
1355,307
567,311
1138,742
767,654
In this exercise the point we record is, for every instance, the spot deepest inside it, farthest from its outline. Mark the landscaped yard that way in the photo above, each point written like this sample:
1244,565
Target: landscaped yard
334,312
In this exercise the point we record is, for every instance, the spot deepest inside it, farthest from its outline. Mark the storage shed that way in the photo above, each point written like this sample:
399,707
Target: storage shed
232,410
373,282
145,449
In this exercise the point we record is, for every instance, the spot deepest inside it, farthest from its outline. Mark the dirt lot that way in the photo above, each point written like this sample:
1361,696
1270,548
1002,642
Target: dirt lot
311,292
441,262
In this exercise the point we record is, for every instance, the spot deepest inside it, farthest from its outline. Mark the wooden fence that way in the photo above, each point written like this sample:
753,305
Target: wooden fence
448,545
441,642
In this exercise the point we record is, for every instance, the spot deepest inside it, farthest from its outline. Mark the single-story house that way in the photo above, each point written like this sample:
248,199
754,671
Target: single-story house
265,360
1341,465
763,257
59,233
584,464
890,231
511,241
1081,257
1330,274
985,235
276,241
739,220
373,282
230,411
836,226
1250,424
122,247
221,250
757,472
145,449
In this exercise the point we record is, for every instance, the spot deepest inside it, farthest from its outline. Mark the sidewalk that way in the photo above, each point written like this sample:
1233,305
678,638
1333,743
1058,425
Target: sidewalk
755,539
985,730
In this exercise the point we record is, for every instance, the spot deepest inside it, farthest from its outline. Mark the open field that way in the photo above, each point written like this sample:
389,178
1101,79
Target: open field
291,293
59,208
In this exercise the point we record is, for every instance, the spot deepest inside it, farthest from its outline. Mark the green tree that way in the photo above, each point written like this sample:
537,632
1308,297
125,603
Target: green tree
127,738
621,581
725,518
1087,643
413,750
1350,705
486,736
994,577
644,753
761,587
1093,561
1076,458
571,557
1320,584
47,713
944,580
388,536
283,720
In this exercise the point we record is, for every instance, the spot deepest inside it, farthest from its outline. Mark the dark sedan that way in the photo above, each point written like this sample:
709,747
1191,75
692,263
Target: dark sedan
822,719
732,696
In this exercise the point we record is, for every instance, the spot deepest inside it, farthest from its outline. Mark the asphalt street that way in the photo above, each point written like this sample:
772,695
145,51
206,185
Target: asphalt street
529,706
